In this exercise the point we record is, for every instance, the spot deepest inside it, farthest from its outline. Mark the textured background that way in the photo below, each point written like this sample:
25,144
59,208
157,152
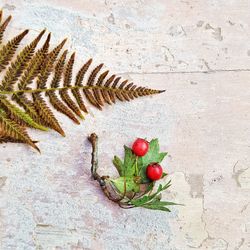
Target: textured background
200,52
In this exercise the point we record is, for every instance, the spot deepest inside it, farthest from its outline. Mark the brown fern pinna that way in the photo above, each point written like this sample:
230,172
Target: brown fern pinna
22,105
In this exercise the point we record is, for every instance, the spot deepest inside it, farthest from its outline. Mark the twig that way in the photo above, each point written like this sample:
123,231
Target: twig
93,138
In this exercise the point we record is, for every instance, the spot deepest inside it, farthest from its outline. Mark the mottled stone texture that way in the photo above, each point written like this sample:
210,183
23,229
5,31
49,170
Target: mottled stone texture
200,52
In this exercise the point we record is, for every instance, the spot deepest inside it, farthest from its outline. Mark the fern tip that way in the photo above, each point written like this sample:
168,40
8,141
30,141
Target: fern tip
161,91
32,144
62,133
64,41
26,32
81,116
8,18
42,32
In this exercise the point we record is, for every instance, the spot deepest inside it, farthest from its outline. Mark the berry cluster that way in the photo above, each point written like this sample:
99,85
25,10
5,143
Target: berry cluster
154,170
138,171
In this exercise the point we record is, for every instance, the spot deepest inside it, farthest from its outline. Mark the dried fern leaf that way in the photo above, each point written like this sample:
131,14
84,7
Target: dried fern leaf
3,26
27,77
27,105
34,66
15,131
109,96
59,71
90,82
67,83
97,92
46,115
54,100
128,88
79,78
124,93
59,106
5,139
8,50
48,64
15,113
31,65
17,67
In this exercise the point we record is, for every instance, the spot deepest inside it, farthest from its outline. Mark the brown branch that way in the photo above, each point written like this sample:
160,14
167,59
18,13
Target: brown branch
106,186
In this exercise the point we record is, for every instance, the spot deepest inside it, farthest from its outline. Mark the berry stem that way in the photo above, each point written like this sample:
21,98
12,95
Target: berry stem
136,166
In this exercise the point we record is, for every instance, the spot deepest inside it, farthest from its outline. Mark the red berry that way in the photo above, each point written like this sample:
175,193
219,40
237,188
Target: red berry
154,171
140,147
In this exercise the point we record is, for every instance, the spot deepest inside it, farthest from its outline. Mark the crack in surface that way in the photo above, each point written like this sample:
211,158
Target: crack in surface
211,71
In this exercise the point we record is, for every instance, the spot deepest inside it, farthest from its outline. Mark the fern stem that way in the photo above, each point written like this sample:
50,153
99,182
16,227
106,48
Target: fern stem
68,87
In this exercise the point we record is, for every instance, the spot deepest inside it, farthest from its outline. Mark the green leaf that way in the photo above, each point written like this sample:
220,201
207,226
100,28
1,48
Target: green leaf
164,174
126,184
126,168
119,165
154,201
129,162
153,197
153,156
164,203
167,185
155,207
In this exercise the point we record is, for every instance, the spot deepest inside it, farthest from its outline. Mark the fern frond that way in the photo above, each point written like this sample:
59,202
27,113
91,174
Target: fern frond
46,115
8,50
54,100
124,94
15,131
129,87
59,70
90,83
109,96
32,70
78,82
27,105
17,67
15,113
35,66
3,26
48,64
67,83
97,92
5,139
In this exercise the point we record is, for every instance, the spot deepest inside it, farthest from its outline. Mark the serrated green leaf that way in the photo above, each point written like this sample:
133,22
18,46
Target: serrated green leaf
126,184
153,156
141,201
128,167
119,165
129,162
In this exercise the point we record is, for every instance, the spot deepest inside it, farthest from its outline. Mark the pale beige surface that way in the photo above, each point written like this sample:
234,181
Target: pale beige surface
200,52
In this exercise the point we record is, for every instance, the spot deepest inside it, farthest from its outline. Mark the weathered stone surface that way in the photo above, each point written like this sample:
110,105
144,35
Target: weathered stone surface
199,52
